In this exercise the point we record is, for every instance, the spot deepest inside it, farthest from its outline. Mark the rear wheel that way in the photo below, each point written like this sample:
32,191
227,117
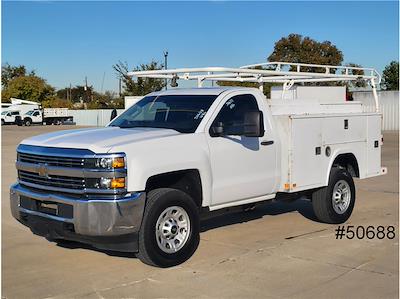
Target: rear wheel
335,202
170,229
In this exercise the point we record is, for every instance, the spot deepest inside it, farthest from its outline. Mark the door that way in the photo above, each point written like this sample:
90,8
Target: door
10,116
242,168
36,117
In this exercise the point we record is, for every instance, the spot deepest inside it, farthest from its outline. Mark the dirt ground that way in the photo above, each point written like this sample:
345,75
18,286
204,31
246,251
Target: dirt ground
276,251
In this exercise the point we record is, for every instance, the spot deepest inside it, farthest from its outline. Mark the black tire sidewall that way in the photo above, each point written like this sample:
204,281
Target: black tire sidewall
337,175
27,122
168,199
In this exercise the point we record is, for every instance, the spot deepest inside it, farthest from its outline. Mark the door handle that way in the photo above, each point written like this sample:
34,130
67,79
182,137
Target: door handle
267,142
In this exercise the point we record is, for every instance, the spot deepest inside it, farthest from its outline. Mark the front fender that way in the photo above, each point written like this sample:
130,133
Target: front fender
174,153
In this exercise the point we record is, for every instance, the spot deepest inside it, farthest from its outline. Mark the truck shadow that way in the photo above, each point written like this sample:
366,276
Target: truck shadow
219,219
269,208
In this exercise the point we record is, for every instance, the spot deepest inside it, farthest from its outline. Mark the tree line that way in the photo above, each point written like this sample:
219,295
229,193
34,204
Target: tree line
20,83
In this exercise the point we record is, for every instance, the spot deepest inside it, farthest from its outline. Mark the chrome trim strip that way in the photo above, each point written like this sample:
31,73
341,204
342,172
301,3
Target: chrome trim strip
73,191
54,151
72,172
63,152
68,200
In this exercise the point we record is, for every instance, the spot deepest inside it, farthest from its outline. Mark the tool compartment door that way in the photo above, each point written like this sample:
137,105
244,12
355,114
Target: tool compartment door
374,145
305,158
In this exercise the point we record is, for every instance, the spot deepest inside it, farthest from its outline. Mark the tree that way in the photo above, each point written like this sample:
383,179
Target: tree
298,49
56,103
28,88
141,86
390,76
9,72
77,93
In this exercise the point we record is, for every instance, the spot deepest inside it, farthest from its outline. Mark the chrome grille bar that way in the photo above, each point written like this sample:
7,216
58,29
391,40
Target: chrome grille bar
56,181
52,161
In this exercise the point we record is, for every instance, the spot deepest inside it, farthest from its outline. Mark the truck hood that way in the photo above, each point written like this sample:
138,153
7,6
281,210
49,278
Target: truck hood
98,140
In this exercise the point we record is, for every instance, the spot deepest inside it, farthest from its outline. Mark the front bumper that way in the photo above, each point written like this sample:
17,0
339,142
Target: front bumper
89,221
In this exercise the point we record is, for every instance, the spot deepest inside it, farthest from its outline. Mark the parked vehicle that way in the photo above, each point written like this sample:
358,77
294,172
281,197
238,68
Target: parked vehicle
141,183
9,117
12,112
49,116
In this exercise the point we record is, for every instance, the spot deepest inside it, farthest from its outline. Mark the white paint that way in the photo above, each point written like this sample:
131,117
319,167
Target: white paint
324,94
237,170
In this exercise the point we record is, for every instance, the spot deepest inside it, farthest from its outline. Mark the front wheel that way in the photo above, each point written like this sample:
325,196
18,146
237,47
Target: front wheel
335,202
27,122
170,228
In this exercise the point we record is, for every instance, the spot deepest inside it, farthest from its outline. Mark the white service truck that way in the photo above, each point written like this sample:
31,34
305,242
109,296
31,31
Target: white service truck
141,183
9,117
49,116
13,112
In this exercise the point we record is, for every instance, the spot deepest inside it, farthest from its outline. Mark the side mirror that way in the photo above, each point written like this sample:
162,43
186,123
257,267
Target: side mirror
253,124
217,130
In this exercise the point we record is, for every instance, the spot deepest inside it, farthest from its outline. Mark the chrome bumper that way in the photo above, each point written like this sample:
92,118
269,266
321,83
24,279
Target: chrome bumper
90,217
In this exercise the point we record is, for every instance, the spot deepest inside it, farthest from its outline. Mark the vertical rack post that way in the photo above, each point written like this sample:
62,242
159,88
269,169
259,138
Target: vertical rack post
374,92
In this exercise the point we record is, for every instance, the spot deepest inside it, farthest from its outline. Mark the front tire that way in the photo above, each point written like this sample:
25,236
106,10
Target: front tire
27,122
170,228
335,202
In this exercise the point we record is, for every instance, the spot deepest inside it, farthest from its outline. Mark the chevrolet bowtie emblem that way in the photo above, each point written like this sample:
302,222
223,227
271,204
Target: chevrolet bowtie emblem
42,170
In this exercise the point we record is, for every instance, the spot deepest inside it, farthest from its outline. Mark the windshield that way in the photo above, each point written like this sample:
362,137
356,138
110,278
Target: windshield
182,113
4,112
30,112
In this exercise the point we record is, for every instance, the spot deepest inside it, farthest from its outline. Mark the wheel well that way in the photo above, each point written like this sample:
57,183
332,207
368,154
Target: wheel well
188,181
349,162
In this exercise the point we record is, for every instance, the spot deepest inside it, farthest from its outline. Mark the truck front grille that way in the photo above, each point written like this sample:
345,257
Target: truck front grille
51,181
52,160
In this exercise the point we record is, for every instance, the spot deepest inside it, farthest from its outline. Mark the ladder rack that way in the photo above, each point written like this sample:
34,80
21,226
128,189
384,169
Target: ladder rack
285,73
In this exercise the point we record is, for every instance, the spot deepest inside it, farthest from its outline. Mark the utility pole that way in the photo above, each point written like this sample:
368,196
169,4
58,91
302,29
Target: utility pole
119,86
166,67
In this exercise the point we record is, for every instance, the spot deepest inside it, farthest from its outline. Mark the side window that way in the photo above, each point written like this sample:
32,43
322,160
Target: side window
233,112
15,113
36,113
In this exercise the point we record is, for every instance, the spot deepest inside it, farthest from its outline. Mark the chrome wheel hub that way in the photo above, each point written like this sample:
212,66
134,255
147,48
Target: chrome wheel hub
172,229
341,197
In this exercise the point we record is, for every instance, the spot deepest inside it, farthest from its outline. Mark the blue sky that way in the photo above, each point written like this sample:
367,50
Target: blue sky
66,41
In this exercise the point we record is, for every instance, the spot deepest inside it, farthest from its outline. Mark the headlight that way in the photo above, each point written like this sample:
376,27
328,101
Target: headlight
109,163
106,183
108,172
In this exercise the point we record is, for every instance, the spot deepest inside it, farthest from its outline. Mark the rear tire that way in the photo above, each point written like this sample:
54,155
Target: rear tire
170,217
335,202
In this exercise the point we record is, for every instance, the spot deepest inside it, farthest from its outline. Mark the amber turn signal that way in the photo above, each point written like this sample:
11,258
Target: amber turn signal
118,183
